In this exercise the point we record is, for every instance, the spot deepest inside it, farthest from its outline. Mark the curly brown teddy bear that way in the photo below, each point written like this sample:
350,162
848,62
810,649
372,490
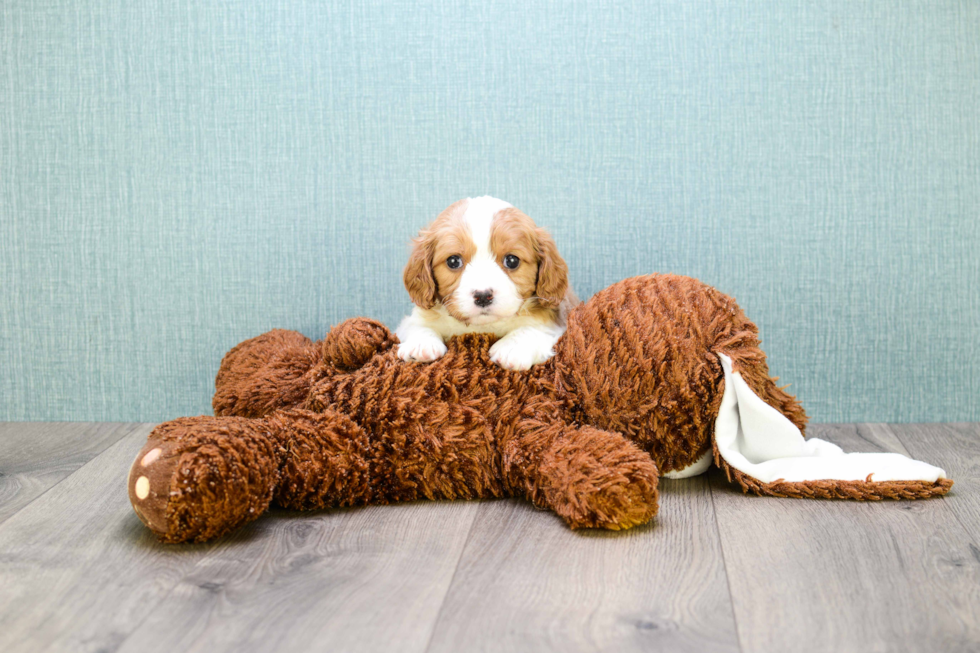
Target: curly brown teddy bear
646,378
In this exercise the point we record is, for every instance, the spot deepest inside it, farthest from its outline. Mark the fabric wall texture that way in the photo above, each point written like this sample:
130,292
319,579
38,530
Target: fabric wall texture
176,176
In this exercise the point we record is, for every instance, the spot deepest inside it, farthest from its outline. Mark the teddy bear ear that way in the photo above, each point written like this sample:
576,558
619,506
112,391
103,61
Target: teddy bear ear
552,271
420,280
265,373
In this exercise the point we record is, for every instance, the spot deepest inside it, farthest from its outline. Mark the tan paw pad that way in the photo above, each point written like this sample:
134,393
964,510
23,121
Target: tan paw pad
142,487
152,455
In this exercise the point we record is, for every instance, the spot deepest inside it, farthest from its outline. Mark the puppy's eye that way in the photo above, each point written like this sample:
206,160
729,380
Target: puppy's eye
454,262
511,262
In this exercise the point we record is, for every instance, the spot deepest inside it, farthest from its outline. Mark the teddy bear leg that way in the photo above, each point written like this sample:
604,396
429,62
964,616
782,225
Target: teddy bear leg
327,460
591,478
428,450
200,477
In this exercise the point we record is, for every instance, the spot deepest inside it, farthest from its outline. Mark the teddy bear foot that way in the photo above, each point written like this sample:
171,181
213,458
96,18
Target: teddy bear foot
200,477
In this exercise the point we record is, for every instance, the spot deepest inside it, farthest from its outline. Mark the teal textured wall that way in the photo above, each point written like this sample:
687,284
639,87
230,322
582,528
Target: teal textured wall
177,176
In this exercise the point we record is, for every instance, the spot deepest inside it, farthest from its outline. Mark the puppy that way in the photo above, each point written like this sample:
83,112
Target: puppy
484,267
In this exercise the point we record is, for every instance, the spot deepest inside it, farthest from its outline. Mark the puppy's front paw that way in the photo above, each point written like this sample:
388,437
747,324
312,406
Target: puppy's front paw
512,355
423,350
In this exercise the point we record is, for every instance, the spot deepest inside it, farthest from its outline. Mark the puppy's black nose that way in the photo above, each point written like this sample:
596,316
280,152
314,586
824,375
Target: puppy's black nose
482,298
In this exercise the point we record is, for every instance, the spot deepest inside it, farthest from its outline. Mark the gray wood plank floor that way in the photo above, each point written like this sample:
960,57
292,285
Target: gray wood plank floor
35,456
716,571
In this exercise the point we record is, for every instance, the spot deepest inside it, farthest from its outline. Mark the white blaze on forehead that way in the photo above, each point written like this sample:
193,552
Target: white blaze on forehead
482,272
478,218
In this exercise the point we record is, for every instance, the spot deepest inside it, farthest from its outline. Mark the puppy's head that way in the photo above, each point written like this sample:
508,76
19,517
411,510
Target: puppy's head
485,261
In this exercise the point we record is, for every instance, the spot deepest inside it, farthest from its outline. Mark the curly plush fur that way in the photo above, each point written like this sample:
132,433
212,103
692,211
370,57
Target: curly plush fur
632,392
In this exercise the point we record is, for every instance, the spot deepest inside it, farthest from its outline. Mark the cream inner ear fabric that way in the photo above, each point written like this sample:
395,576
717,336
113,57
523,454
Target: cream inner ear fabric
756,439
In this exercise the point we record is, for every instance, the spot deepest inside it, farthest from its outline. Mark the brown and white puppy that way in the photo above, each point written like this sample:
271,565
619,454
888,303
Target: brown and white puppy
485,267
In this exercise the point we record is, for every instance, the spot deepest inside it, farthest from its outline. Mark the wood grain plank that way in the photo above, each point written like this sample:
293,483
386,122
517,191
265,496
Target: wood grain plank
34,456
847,576
78,570
528,583
955,448
368,579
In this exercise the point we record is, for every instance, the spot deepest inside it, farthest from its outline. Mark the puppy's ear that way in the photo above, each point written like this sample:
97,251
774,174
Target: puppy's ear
420,281
552,272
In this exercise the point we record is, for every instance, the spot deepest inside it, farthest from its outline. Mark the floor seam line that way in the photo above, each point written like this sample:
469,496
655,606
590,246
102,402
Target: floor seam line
452,579
724,562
